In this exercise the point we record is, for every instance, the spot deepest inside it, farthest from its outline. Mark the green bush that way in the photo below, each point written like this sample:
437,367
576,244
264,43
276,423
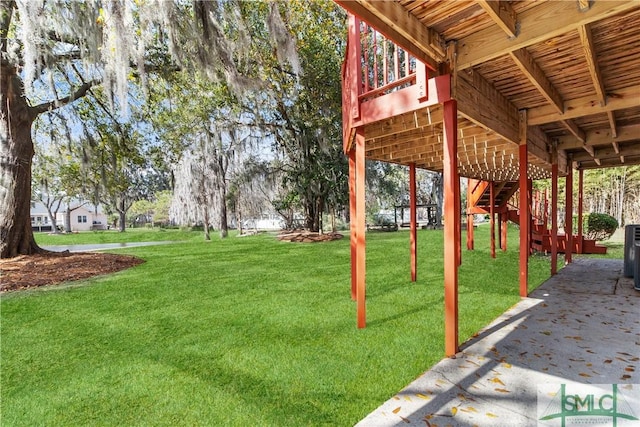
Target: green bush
599,226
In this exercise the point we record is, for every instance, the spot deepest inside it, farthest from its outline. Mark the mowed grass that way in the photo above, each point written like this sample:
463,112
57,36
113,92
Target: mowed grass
114,236
242,331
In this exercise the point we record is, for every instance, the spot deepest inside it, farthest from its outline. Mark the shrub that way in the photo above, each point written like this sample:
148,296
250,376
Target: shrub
599,226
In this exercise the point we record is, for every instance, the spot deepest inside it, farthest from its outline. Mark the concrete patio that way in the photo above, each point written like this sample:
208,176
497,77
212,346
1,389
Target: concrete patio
582,326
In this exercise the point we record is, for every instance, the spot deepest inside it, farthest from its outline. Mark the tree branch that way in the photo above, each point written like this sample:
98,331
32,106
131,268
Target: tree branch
57,103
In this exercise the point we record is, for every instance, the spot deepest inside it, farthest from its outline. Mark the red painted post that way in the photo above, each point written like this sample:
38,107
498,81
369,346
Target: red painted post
451,215
470,242
525,220
568,221
554,217
353,220
360,230
413,239
580,193
545,214
492,217
458,203
503,232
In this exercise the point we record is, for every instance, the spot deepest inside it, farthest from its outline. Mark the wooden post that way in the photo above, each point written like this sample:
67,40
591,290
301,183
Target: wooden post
413,239
492,217
353,220
525,221
580,192
503,231
458,202
360,230
470,230
568,220
452,216
554,215
470,242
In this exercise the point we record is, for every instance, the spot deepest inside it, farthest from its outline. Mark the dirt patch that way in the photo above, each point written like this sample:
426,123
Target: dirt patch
31,271
307,236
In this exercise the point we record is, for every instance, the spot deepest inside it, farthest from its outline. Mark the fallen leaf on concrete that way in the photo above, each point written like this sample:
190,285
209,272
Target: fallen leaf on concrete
496,380
395,411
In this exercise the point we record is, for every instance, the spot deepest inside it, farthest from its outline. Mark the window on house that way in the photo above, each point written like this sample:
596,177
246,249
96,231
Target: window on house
33,220
82,219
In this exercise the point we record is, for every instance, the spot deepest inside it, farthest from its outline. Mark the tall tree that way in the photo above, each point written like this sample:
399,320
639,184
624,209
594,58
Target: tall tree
304,112
73,46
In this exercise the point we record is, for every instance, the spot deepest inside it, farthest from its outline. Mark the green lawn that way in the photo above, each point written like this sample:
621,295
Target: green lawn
113,236
244,331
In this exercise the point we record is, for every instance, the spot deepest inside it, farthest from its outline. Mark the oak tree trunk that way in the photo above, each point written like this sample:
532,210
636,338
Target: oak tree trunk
16,155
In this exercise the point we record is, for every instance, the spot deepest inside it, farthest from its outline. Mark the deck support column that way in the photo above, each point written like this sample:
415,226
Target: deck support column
451,226
352,221
470,242
525,220
503,231
580,192
554,215
568,220
360,230
413,239
492,216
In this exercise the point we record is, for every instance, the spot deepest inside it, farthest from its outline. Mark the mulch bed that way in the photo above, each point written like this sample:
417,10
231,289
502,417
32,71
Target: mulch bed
31,271
302,236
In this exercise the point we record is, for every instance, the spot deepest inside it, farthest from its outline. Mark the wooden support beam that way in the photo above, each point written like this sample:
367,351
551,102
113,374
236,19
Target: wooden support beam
616,147
538,143
452,215
554,217
574,129
502,14
524,202
568,219
628,161
537,77
470,187
621,99
480,102
592,61
397,24
609,152
404,101
589,149
503,231
579,218
353,222
611,116
361,313
490,43
492,216
601,137
413,235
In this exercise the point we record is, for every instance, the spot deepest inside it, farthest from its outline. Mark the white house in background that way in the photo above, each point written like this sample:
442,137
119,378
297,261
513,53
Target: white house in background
85,218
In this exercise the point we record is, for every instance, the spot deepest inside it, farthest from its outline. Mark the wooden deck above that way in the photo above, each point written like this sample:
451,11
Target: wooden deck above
571,69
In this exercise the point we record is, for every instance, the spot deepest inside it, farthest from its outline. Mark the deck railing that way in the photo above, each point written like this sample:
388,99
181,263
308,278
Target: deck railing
373,67
384,67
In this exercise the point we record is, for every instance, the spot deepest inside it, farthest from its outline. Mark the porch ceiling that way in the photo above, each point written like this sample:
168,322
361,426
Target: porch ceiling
416,137
574,66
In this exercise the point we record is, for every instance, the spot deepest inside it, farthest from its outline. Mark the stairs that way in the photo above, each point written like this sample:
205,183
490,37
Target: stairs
506,202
